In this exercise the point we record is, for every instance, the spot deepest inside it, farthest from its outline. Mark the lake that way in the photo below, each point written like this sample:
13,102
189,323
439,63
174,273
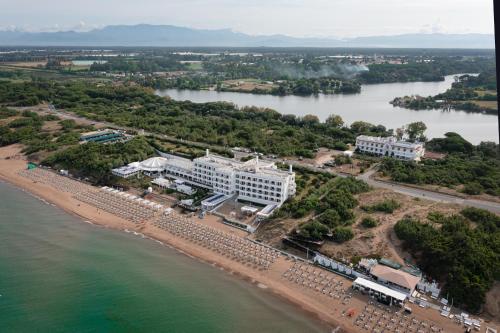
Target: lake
59,274
371,105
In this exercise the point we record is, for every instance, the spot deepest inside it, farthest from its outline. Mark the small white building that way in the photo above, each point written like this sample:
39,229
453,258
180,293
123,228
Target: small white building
213,202
348,153
185,189
126,171
161,182
390,147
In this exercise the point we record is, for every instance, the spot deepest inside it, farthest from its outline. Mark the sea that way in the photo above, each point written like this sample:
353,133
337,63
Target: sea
59,273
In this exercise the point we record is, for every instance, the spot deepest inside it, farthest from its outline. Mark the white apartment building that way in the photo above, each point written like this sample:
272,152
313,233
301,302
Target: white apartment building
390,147
264,185
255,181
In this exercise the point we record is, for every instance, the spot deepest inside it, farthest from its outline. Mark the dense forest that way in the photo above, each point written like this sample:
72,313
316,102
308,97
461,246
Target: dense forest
461,251
218,123
476,168
95,160
425,70
469,93
138,65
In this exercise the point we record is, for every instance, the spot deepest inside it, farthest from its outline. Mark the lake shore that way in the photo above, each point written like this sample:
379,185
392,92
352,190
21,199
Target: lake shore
372,105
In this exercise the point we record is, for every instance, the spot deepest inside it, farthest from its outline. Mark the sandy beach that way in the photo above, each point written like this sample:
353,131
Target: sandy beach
321,306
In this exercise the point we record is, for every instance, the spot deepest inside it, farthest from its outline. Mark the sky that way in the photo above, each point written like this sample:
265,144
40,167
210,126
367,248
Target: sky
299,18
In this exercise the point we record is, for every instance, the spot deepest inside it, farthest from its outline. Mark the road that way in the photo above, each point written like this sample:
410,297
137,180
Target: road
367,176
408,190
429,195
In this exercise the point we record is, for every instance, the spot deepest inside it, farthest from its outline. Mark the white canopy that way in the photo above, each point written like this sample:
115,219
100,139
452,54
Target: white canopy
154,164
380,288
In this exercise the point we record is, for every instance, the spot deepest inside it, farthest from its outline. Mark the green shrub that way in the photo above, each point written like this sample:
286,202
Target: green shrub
369,222
473,188
6,113
342,234
436,217
386,206
313,230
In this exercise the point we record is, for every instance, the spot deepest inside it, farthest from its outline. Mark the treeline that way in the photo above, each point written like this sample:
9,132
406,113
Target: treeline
191,82
301,87
477,168
324,85
141,64
95,160
218,123
461,251
431,70
466,94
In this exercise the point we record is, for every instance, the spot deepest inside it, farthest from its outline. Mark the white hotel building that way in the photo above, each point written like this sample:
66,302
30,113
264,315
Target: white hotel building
255,181
390,147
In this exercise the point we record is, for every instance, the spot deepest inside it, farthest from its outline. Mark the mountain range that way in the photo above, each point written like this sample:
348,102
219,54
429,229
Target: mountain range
168,35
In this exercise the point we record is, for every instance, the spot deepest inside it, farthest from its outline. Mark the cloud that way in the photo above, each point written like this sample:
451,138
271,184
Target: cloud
434,28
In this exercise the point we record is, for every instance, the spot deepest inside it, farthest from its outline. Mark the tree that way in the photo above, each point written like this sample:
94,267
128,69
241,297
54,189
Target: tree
334,121
415,131
400,133
361,127
330,217
310,119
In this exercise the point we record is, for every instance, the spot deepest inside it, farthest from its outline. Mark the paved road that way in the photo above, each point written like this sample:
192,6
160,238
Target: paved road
430,195
400,188
411,191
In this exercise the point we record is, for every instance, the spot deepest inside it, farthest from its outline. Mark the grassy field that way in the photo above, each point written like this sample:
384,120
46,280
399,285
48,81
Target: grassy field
487,104
247,85
28,64
195,66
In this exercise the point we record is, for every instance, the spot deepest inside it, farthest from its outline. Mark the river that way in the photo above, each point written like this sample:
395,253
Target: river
59,274
371,105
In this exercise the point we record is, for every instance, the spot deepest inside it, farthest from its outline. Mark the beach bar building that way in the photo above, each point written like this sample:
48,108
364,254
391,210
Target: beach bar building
395,279
380,292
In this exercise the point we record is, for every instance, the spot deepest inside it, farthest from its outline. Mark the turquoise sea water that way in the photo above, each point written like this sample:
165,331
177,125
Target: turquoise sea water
59,274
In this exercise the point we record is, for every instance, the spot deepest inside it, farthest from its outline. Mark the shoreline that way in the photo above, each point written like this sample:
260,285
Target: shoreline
327,311
234,273
109,221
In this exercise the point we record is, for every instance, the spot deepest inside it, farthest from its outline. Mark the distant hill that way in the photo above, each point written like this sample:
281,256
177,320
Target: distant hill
167,35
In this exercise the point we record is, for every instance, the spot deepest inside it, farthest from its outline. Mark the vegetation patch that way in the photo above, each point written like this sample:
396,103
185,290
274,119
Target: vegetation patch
465,259
369,222
327,209
475,167
387,206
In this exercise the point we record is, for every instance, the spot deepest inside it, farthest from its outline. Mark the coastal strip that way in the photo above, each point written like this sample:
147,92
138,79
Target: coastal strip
324,295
